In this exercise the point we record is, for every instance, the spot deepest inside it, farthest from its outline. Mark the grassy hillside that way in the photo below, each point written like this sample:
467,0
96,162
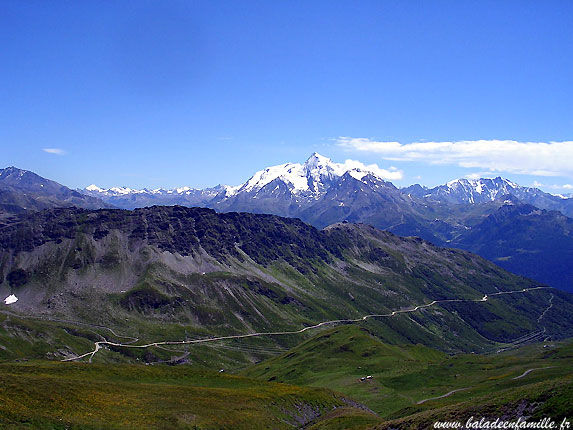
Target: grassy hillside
44,395
409,379
404,391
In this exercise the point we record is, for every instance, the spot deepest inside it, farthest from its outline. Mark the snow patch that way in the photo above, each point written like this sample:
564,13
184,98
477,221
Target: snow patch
230,190
10,299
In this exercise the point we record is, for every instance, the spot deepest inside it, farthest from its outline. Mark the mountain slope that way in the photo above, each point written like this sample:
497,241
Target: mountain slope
173,272
22,189
527,240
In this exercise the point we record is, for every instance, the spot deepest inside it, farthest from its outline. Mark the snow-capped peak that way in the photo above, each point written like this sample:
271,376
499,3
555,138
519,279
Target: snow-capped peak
94,190
317,163
118,192
482,182
475,190
310,177
125,190
308,180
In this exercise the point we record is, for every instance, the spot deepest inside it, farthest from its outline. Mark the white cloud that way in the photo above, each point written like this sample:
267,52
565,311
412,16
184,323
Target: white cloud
553,186
57,151
479,175
391,174
531,158
473,176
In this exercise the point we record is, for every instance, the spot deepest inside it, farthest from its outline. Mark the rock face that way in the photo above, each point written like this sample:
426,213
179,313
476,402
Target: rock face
240,272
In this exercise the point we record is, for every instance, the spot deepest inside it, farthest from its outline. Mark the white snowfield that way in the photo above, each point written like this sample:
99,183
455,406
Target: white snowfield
10,299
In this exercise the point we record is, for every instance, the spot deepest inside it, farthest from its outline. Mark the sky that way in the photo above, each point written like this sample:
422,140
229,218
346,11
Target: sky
196,93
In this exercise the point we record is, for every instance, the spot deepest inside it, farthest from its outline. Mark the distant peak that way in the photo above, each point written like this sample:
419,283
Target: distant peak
21,173
93,187
454,182
315,159
12,169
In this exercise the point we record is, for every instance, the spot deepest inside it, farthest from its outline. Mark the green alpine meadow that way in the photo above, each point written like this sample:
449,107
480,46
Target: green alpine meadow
195,319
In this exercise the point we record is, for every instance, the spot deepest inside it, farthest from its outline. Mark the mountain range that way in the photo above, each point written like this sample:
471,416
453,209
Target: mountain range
475,191
405,332
321,192
303,185
466,214
231,273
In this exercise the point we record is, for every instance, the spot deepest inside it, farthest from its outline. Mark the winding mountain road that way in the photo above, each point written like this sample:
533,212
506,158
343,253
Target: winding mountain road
546,309
528,371
99,344
526,338
449,393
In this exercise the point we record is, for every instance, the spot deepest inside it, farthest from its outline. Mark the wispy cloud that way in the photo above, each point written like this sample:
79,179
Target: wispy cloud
553,186
473,176
531,158
56,151
478,175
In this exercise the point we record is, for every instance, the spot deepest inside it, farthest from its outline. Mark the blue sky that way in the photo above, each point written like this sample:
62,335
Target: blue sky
171,93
